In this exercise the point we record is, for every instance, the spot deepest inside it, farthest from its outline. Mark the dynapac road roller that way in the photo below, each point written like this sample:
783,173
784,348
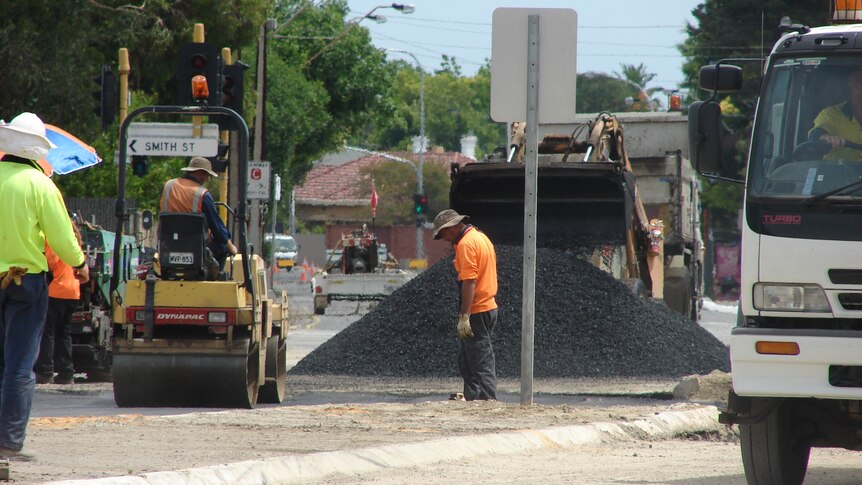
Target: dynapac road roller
191,334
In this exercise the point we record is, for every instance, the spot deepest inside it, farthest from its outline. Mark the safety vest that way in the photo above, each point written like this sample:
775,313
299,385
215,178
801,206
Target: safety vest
182,195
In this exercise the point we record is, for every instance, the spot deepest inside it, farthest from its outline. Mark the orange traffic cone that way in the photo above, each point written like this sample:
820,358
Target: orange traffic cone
302,277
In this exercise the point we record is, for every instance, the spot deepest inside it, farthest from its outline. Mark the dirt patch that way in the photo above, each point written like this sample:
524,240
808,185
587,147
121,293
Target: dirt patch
91,447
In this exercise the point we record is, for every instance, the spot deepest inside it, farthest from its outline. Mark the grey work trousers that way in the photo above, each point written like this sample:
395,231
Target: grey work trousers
476,358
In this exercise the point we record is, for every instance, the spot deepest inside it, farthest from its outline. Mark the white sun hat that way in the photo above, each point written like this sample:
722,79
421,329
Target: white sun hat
24,137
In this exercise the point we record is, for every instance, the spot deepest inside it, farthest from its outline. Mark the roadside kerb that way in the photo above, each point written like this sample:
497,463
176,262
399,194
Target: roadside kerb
304,468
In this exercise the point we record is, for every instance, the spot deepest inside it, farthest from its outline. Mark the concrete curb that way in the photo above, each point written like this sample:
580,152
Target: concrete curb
316,466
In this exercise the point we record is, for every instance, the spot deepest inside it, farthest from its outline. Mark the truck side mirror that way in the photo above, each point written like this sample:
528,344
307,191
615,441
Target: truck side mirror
704,134
722,78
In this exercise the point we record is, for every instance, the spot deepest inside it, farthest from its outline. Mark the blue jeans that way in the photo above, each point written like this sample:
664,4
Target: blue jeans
22,318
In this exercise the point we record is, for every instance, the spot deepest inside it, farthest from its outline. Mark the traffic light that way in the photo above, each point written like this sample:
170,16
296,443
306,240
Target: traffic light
198,58
231,93
420,204
139,165
105,96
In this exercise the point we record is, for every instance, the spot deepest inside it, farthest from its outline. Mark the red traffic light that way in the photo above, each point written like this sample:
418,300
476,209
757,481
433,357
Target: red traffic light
199,61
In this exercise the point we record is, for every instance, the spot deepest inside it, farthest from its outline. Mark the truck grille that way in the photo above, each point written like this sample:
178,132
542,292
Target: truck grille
850,301
845,375
846,276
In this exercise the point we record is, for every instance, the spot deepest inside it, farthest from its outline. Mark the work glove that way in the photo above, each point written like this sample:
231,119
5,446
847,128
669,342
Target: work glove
14,274
464,329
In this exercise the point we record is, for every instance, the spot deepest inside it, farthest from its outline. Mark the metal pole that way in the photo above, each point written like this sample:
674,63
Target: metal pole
292,212
256,222
420,184
531,184
420,230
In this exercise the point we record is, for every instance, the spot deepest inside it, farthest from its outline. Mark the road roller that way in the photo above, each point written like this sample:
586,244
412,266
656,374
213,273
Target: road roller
189,332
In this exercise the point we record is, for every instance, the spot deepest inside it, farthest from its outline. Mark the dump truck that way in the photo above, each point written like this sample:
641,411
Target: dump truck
796,350
617,190
357,270
191,333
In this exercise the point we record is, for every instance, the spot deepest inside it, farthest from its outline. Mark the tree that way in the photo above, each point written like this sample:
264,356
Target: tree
454,106
600,92
637,77
326,82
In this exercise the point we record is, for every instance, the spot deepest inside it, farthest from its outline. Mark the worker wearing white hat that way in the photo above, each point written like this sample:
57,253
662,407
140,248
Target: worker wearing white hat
31,211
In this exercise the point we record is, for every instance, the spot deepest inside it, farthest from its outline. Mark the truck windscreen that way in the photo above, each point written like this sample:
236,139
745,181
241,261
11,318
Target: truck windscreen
806,138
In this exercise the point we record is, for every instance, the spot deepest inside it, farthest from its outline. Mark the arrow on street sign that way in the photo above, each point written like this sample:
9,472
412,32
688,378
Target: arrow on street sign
172,139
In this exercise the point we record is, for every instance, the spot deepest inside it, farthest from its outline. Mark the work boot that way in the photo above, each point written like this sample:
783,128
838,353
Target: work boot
44,378
17,455
64,379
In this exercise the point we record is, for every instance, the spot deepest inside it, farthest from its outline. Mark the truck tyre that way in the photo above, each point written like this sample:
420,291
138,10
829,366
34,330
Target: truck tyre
772,453
319,310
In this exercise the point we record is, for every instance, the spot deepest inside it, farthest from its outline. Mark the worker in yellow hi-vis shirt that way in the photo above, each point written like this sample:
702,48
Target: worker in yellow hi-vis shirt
840,123
32,212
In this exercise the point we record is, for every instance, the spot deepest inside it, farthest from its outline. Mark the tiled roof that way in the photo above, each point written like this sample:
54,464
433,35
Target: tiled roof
337,183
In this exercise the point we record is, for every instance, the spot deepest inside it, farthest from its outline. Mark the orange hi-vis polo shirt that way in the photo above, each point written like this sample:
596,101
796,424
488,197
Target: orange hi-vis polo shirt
475,259
64,285
182,195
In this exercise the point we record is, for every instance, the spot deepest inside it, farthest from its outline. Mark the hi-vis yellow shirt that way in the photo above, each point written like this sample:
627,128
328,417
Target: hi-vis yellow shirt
31,210
836,121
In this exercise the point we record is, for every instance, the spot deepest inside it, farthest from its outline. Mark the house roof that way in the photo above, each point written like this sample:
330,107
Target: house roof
336,184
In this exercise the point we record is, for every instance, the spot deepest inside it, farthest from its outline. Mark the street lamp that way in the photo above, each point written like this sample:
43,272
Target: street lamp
420,188
401,7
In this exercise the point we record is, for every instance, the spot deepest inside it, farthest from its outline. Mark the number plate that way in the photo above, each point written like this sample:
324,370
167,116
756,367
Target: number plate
181,258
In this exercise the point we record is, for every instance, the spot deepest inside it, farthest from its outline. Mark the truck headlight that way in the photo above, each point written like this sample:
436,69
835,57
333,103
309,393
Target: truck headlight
217,317
790,298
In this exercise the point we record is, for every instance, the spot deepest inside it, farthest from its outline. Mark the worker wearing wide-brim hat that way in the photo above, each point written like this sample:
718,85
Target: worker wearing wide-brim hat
188,194
476,264
31,211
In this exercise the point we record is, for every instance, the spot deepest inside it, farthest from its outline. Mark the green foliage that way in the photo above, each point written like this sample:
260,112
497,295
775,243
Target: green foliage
454,106
51,50
600,92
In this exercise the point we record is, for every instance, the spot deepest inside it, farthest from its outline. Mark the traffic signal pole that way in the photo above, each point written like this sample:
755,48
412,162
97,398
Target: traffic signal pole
224,138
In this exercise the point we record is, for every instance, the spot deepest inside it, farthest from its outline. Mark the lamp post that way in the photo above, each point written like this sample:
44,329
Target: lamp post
420,187
405,8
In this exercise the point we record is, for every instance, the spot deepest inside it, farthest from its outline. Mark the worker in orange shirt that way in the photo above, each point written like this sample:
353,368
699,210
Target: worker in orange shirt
476,265
55,350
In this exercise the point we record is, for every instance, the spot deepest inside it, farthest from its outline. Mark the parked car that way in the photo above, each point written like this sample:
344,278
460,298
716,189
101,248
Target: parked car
286,250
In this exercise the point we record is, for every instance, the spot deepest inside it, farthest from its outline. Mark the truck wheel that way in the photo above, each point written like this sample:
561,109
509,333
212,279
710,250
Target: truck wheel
319,310
772,454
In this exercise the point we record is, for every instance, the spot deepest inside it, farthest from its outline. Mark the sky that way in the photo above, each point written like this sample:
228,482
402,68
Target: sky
609,33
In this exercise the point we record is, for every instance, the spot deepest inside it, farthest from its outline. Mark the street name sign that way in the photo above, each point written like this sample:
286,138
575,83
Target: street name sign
172,139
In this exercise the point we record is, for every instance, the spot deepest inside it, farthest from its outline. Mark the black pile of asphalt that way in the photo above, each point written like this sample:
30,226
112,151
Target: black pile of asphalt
587,324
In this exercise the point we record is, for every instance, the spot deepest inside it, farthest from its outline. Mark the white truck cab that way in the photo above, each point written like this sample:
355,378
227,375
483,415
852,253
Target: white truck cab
796,352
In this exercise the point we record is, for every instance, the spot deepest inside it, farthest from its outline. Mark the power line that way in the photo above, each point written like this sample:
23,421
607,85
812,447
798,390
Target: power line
413,19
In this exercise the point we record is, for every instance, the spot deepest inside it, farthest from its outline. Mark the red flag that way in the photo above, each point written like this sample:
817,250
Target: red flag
373,199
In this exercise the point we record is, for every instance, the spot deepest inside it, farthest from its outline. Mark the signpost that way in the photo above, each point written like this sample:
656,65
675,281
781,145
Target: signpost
172,140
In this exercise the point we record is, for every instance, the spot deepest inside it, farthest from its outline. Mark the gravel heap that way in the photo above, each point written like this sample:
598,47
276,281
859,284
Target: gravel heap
587,324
